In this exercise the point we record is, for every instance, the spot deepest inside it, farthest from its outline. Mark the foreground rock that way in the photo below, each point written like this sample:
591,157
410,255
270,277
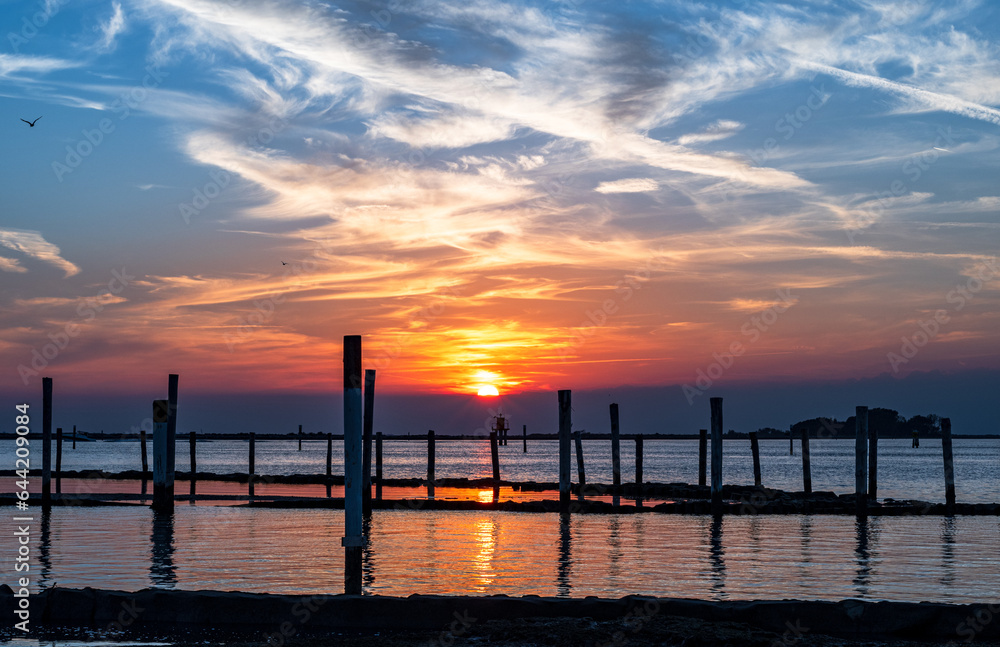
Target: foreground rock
248,618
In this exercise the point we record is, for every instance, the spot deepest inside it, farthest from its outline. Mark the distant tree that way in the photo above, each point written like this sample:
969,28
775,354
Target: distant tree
886,422
929,425
818,427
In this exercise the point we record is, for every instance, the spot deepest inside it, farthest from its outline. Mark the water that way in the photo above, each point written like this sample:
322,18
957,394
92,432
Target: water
481,553
904,472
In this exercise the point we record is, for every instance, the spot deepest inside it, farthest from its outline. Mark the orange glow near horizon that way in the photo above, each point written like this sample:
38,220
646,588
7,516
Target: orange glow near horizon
488,391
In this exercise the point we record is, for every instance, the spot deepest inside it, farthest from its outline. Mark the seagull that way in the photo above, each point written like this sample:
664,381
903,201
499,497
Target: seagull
31,124
284,263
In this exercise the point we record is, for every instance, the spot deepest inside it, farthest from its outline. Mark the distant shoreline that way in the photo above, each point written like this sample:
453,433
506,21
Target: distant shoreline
512,438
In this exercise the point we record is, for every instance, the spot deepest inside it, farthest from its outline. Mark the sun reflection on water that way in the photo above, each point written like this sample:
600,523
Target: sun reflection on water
486,531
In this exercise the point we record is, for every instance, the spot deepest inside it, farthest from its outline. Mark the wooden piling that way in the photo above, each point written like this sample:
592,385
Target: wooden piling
329,464
300,438
366,442
616,457
807,482
171,433
46,441
873,463
193,449
430,463
353,436
949,466
639,481
791,443
378,466
495,456
58,460
861,461
578,440
702,456
755,451
145,460
251,469
162,502
74,436
716,406
524,437
565,428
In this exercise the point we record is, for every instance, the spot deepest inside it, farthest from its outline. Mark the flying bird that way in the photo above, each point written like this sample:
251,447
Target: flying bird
31,124
284,263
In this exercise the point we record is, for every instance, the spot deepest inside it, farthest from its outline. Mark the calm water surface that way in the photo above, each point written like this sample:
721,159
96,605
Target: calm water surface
481,553
904,472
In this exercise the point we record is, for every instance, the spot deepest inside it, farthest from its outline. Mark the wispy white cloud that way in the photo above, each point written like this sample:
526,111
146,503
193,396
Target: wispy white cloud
11,265
13,64
111,28
923,99
628,185
33,245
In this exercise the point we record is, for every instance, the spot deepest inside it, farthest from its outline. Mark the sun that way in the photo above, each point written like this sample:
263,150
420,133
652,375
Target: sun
488,390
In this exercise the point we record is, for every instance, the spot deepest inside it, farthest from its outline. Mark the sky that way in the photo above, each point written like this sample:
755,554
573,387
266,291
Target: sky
680,199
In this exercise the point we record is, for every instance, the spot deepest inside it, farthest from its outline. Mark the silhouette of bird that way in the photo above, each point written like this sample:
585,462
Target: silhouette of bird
31,124
284,263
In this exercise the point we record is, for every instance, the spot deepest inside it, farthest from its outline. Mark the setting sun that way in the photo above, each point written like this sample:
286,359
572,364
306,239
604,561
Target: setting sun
489,389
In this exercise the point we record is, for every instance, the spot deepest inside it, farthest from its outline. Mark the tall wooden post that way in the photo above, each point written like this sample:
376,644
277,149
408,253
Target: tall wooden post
524,437
329,457
171,433
861,461
74,436
378,466
755,451
46,441
495,456
162,500
565,428
430,463
366,442
251,468
353,425
616,456
58,460
791,443
145,460
949,466
300,438
873,463
807,482
578,440
639,480
702,456
716,404
193,448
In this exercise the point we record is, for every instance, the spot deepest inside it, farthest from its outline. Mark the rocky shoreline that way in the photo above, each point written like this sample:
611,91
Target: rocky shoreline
256,618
